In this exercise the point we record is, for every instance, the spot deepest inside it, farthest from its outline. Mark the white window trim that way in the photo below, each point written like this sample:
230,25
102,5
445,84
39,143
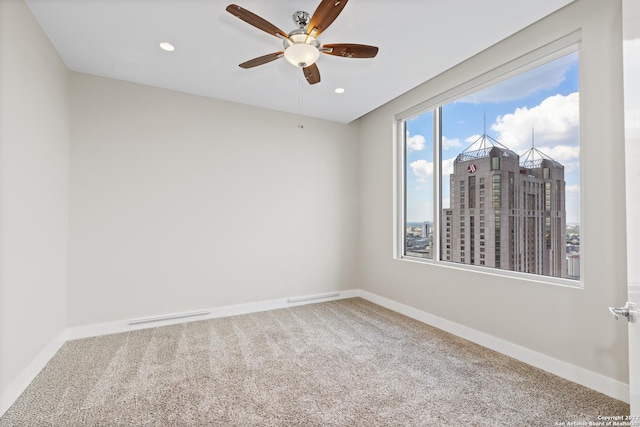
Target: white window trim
547,53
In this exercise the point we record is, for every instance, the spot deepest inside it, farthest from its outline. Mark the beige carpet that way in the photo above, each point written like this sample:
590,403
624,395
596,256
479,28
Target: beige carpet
339,363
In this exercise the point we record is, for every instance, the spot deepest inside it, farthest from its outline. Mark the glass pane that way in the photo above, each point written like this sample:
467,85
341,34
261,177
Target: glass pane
419,209
519,141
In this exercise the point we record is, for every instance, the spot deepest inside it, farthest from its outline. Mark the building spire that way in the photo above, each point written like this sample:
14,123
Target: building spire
481,146
533,144
484,132
532,139
528,158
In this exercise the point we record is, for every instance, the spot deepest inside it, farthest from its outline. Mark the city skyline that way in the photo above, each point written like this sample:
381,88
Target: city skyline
540,106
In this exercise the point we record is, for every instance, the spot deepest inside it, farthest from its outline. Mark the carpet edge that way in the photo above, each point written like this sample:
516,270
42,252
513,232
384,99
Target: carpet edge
600,383
22,381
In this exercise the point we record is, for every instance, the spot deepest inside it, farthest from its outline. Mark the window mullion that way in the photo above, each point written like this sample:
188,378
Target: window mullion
437,187
403,190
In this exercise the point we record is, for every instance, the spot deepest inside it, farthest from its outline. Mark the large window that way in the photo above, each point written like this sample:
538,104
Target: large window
491,178
418,219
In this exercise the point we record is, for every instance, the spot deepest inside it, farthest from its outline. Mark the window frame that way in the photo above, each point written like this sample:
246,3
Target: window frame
563,46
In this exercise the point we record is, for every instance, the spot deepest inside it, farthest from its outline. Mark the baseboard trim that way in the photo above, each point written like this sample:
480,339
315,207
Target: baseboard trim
107,328
20,384
600,383
605,385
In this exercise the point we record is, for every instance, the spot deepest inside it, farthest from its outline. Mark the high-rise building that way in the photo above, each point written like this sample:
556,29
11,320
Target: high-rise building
506,212
426,229
573,266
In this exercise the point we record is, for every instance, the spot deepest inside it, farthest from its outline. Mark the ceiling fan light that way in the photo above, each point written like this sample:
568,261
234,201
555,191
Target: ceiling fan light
302,54
167,46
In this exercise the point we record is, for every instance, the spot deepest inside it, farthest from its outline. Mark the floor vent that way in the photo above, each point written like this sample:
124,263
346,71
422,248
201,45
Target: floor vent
312,297
168,317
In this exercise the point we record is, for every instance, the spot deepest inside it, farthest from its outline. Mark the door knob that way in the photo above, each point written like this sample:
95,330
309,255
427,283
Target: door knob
628,311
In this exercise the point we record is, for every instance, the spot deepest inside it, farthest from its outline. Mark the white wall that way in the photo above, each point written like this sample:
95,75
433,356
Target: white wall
181,202
571,325
34,123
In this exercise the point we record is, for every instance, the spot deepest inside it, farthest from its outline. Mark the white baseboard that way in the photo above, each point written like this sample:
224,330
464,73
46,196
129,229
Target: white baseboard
19,385
605,385
11,394
98,329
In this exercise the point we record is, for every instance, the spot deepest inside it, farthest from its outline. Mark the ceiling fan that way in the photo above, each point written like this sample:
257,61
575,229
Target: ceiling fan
301,46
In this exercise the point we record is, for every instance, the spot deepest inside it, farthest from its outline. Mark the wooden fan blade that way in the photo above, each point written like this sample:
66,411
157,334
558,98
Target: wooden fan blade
350,50
261,60
253,19
312,74
325,14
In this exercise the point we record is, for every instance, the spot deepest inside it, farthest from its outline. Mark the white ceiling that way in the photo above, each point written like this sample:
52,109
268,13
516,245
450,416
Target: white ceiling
418,39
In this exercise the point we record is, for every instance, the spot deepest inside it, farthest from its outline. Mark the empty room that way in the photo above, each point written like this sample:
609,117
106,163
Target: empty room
319,213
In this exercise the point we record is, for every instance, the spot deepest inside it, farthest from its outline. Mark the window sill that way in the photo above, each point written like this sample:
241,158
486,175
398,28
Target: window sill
531,278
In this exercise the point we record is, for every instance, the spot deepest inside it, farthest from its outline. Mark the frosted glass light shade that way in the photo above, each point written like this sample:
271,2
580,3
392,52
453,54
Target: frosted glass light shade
301,54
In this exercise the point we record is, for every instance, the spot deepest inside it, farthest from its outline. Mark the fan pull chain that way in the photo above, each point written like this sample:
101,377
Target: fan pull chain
300,101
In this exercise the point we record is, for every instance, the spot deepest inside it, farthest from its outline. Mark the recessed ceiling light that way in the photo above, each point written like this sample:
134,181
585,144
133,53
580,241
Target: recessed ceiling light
167,46
339,90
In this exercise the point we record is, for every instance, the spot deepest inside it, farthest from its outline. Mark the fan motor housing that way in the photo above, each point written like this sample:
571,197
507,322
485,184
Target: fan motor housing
300,36
301,18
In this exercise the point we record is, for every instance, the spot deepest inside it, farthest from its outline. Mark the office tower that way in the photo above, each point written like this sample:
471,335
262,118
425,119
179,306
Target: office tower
506,211
573,266
426,229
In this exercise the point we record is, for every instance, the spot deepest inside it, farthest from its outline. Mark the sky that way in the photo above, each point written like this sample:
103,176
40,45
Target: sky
543,101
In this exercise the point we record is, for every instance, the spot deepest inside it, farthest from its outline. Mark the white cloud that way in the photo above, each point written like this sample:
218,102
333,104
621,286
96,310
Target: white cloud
450,143
473,138
563,153
572,188
422,169
415,142
555,121
570,166
447,168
